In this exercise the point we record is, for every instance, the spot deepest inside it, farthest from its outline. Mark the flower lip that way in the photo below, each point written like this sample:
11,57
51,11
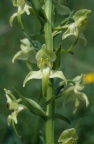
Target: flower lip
44,63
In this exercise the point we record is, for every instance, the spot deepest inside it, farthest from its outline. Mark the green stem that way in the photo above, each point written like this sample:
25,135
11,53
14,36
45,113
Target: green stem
48,25
49,122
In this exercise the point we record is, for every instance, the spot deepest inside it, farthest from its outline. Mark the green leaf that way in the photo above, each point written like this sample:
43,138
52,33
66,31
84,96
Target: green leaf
38,11
32,106
60,87
35,4
40,19
56,97
68,136
62,118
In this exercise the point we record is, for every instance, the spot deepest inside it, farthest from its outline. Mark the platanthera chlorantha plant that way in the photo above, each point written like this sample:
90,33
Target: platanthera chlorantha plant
47,58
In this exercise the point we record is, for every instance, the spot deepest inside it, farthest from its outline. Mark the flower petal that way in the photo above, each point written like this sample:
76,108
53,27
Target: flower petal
33,75
82,96
72,30
12,19
58,74
12,117
45,78
10,97
26,9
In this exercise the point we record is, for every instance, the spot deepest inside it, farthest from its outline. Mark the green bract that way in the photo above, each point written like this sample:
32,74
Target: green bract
61,9
32,106
27,52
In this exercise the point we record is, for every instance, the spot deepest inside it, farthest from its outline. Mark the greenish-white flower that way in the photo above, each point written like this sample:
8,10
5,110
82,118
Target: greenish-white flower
23,7
80,19
27,52
68,136
13,104
13,117
45,60
74,91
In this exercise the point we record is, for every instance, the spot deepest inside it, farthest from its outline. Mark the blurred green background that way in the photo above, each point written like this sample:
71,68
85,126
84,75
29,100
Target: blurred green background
12,75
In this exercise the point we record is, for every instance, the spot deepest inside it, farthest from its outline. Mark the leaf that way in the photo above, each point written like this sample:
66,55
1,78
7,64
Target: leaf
38,11
39,18
32,106
56,97
60,87
62,118
35,4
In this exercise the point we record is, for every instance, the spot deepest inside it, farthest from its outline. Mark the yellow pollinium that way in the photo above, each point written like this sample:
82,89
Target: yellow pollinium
89,78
